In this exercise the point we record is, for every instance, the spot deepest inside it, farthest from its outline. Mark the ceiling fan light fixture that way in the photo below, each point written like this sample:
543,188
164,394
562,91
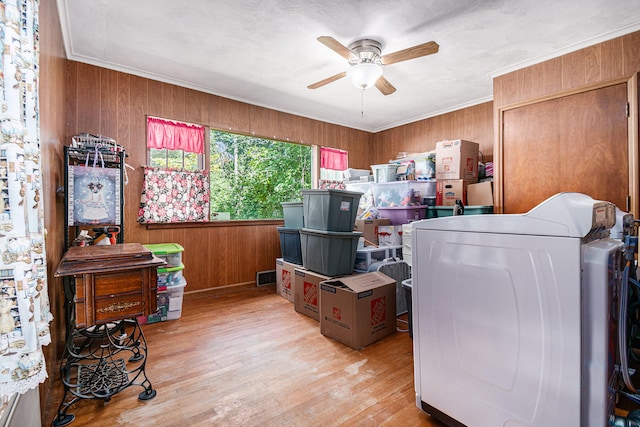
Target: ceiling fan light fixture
364,75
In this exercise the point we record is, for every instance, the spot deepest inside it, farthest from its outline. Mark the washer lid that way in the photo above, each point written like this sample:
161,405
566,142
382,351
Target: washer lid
565,214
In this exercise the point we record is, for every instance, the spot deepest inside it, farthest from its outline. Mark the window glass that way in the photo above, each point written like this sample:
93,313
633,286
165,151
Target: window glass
251,177
165,158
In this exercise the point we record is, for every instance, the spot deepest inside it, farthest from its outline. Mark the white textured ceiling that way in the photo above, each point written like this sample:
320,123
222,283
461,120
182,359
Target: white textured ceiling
265,52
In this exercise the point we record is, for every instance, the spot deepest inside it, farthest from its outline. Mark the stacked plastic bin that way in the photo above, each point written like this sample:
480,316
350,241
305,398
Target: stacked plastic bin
290,233
171,281
328,241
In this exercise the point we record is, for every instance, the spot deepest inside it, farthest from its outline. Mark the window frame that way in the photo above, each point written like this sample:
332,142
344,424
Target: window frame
204,164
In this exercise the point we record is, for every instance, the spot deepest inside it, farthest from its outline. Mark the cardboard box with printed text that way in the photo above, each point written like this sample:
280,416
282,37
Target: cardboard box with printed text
457,159
306,292
284,278
448,190
358,310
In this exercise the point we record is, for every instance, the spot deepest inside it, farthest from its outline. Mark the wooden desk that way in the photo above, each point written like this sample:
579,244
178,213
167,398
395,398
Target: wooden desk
108,283
106,289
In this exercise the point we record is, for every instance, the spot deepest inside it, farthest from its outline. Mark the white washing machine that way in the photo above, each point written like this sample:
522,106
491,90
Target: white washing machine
514,316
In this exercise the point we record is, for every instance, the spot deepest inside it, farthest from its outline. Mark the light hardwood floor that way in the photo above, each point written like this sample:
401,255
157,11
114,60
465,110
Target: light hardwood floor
249,359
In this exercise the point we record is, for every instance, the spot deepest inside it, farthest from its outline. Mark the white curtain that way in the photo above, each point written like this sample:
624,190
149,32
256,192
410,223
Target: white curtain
24,302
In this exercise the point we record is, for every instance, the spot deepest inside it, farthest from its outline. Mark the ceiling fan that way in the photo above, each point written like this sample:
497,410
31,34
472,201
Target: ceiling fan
366,62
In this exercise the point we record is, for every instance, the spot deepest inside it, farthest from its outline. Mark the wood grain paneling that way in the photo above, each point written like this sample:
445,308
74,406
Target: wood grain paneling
598,65
53,79
573,143
472,123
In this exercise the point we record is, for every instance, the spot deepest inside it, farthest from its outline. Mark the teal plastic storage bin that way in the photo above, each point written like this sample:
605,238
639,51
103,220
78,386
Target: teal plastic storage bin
290,245
293,214
328,252
330,210
441,211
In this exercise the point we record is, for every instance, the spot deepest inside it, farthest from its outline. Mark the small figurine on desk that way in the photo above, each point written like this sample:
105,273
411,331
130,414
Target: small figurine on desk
458,208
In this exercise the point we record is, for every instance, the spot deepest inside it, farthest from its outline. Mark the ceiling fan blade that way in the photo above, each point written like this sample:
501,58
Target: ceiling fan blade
411,53
384,86
328,80
338,47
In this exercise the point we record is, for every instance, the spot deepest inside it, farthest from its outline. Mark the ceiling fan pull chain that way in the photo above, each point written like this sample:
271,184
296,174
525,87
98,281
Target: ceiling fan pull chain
362,103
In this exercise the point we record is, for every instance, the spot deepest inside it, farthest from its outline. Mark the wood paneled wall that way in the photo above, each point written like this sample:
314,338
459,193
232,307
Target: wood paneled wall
602,62
471,123
586,68
115,104
51,97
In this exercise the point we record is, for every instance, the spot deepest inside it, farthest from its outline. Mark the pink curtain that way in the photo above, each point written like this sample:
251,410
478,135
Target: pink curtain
173,135
333,158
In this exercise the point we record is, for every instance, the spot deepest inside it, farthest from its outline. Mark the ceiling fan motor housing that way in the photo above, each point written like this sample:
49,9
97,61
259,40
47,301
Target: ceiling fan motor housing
367,50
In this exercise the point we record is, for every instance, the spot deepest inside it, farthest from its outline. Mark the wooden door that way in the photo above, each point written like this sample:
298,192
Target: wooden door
577,142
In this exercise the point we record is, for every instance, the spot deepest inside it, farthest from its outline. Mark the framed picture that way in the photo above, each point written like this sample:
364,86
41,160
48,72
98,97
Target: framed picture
94,195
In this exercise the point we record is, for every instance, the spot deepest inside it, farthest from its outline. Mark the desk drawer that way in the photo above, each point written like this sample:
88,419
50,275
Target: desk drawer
111,296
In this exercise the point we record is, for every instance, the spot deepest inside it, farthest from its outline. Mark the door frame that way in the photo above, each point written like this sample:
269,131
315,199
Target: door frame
632,139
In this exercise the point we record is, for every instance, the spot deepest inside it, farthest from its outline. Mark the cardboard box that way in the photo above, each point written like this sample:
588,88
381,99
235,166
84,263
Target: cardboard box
306,292
369,228
457,159
480,194
448,190
358,310
284,278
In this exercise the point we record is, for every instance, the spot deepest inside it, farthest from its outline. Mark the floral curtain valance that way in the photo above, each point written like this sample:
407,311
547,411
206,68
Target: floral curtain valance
334,159
24,301
174,195
174,135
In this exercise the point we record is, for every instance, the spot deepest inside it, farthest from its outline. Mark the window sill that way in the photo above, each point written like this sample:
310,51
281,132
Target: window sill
216,223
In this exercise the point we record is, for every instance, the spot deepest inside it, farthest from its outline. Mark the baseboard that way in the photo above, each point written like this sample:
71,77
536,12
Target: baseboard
221,290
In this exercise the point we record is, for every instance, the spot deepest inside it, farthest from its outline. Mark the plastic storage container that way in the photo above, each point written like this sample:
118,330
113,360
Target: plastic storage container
329,253
441,211
290,245
330,210
384,173
170,276
293,214
356,174
404,214
369,255
366,200
402,193
171,253
176,294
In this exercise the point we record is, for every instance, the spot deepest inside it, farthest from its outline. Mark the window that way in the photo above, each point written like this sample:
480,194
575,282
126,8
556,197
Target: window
250,177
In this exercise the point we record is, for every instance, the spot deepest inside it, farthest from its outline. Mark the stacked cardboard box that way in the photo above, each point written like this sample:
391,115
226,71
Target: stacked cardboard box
285,278
354,309
456,168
